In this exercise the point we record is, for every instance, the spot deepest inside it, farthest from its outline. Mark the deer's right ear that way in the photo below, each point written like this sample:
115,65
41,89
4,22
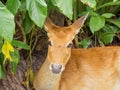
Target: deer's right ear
78,24
48,25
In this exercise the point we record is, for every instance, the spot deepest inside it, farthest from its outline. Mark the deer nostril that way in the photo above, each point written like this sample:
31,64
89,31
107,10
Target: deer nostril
56,68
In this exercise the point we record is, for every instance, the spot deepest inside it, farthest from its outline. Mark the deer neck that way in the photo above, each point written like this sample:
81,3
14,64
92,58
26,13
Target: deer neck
46,79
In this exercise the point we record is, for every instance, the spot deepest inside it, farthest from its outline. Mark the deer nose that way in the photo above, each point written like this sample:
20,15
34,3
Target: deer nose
56,68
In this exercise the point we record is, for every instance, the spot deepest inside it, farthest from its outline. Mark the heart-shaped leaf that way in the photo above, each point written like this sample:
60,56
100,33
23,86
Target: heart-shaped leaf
7,25
65,7
37,10
96,23
13,5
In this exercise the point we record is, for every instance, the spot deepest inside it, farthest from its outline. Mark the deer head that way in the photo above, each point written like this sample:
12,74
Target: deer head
60,38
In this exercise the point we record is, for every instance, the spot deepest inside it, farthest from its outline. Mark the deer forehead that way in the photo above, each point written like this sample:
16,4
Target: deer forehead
60,34
60,40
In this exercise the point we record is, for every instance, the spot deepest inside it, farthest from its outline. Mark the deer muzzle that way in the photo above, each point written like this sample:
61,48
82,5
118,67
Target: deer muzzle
56,68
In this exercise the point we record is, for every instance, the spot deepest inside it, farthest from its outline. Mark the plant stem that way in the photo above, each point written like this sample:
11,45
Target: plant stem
31,36
74,10
21,28
74,19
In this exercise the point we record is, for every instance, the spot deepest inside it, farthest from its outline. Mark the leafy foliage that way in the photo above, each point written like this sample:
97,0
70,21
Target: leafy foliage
64,6
2,71
34,13
20,44
85,42
6,49
91,3
96,23
103,21
13,5
37,10
7,23
15,56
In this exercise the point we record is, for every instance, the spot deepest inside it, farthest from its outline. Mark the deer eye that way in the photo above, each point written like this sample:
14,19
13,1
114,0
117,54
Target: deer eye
70,45
49,43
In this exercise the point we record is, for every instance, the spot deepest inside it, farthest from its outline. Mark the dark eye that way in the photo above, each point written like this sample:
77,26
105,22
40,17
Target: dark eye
70,45
49,43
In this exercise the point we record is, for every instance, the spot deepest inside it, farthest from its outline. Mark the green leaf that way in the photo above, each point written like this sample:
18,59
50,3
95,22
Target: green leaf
107,15
1,43
110,29
7,25
13,5
114,21
96,23
15,56
65,7
2,72
90,3
1,58
109,4
107,34
91,13
85,42
107,37
20,44
37,10
23,5
27,23
1,5
50,5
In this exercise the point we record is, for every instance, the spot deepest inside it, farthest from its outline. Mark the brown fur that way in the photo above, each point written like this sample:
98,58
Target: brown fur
82,69
92,69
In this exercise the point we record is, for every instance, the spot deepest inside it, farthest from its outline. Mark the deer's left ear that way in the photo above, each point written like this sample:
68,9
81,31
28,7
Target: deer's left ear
49,25
76,26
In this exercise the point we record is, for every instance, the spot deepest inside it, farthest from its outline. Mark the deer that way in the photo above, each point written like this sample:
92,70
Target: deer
67,68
